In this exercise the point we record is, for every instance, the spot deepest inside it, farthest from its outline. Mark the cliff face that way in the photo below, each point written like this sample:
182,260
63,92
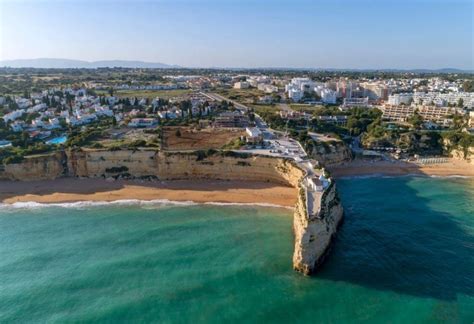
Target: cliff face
332,153
461,154
181,165
40,167
313,230
98,163
256,168
315,233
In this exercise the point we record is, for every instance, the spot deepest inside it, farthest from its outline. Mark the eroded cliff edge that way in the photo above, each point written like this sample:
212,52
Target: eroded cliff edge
317,213
315,231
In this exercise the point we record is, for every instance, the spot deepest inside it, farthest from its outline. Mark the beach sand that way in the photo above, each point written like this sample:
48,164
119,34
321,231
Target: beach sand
363,167
73,190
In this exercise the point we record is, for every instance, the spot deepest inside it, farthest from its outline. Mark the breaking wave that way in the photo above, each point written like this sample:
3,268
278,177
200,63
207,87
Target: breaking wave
128,202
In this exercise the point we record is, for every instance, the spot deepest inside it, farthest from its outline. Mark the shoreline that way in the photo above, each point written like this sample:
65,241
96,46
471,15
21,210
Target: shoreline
93,190
453,168
73,190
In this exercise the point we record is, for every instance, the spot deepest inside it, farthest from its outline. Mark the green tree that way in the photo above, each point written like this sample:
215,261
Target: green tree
468,86
416,120
24,138
458,122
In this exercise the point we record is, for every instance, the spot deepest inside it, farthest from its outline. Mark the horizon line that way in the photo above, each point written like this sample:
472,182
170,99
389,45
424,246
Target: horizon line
177,66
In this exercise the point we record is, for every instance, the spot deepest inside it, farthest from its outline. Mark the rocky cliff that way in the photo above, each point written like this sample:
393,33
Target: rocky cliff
37,167
315,233
182,165
463,154
313,230
330,153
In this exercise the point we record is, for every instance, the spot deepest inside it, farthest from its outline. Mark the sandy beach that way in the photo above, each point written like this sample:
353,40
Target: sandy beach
363,167
73,190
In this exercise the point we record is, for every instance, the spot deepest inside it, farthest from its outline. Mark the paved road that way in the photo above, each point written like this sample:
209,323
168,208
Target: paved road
287,147
218,97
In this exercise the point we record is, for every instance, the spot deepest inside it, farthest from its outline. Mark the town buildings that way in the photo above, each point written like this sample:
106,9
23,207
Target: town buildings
231,119
241,85
254,135
439,115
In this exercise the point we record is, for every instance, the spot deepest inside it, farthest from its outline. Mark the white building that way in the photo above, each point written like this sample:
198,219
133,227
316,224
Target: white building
241,85
103,111
143,122
22,103
37,108
318,183
356,102
301,84
254,135
400,98
267,88
328,96
298,86
13,115
443,99
295,94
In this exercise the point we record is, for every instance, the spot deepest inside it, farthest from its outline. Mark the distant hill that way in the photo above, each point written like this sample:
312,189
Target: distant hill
58,63
54,63
444,70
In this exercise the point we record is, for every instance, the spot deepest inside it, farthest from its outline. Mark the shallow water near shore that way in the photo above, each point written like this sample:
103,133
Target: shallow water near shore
405,253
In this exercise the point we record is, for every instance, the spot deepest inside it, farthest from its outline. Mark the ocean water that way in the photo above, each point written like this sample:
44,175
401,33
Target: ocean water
405,254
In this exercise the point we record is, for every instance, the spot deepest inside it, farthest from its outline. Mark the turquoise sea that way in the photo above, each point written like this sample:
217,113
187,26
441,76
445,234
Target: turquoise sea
405,254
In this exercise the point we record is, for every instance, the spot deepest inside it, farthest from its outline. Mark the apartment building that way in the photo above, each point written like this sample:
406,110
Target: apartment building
231,119
241,85
429,113
356,102
400,98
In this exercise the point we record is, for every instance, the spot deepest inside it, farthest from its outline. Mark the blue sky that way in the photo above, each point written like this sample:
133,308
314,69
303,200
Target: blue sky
244,33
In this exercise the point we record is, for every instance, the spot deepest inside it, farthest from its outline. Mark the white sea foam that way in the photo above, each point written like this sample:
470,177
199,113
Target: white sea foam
246,204
128,202
452,176
389,176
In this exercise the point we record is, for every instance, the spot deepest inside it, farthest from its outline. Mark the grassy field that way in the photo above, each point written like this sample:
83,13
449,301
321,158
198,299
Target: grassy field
241,95
193,139
151,94
265,108
304,107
